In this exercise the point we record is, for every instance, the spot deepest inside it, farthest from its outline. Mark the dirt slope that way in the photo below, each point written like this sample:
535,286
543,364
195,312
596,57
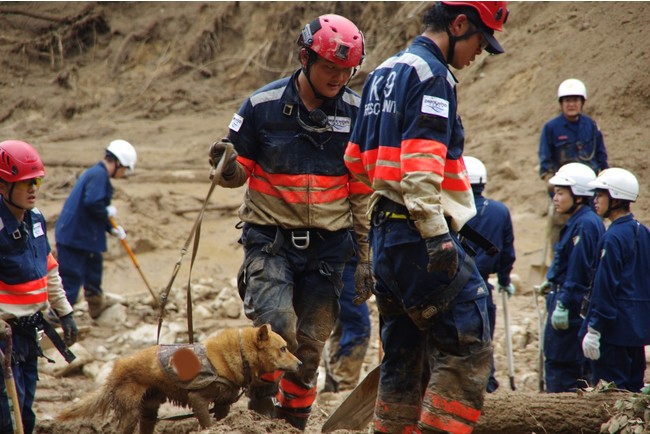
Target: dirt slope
167,76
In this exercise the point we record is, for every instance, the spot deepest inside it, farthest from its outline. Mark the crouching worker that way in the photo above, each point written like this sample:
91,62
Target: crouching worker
299,206
29,278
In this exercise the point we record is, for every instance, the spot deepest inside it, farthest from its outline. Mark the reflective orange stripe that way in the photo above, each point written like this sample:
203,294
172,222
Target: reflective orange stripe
353,158
21,289
23,299
453,407
408,429
358,187
248,164
51,262
292,395
445,424
451,184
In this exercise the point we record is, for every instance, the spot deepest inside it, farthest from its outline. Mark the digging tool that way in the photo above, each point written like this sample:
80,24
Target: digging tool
506,325
540,333
356,411
135,262
10,384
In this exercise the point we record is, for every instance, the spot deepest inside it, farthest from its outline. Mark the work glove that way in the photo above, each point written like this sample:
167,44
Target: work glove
217,149
560,317
509,289
119,232
443,255
544,288
70,330
363,282
591,344
5,330
111,210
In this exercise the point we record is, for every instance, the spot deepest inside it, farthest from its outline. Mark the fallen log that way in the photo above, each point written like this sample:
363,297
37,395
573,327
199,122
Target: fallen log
550,413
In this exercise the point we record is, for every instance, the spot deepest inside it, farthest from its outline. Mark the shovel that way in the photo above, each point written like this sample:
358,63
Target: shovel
356,411
135,262
10,385
540,333
506,325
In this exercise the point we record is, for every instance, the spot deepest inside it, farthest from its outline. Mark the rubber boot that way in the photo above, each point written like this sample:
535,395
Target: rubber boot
97,304
260,399
296,417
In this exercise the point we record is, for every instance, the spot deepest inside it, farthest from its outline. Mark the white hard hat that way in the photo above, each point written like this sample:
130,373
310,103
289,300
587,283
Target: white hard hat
577,176
125,153
475,170
572,87
620,183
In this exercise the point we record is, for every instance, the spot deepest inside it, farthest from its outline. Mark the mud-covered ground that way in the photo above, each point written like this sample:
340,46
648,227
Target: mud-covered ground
167,77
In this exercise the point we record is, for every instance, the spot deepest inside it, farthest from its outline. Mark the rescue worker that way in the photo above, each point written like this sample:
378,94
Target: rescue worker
81,229
407,144
347,345
29,279
493,221
299,205
569,277
617,324
570,137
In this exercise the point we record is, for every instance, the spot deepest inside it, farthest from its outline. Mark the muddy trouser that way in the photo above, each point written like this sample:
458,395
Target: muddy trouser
564,362
294,285
79,268
24,365
433,376
625,366
493,384
348,344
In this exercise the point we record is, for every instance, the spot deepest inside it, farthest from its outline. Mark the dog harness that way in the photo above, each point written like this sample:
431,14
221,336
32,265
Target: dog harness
206,376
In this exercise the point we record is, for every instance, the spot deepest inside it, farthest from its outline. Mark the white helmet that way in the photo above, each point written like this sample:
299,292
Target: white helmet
125,153
620,183
577,176
475,170
572,87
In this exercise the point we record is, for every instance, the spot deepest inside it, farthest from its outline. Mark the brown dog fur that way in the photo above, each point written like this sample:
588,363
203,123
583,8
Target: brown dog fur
137,385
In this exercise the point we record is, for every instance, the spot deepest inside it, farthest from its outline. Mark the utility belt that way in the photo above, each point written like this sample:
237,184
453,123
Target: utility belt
300,239
386,210
33,327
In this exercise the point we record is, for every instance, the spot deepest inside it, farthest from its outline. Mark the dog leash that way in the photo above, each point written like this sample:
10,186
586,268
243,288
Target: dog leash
195,234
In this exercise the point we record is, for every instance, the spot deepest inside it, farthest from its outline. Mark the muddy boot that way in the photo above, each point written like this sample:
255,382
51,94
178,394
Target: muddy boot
97,304
296,417
331,385
260,399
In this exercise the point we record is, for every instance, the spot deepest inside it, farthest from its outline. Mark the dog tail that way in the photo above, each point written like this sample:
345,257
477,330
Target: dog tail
91,406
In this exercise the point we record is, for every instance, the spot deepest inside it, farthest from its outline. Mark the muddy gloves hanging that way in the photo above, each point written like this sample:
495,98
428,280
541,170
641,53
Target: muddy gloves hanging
443,255
363,282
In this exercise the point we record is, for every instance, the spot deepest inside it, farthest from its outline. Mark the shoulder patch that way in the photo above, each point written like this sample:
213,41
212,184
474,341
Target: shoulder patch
236,122
435,106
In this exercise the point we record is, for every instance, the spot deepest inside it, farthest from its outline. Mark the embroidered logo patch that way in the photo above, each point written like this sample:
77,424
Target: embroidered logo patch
37,230
433,105
236,122
340,124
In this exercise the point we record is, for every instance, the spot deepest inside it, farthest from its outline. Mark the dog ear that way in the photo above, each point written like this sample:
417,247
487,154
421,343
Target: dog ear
263,332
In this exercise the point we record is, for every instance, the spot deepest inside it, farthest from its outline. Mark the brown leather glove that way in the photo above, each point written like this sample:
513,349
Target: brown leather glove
363,282
215,153
443,255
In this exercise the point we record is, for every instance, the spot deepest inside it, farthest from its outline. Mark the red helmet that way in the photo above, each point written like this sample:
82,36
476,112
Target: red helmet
493,14
19,161
334,38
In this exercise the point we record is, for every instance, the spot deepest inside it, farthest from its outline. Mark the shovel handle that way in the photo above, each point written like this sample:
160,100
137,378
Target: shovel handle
10,382
135,262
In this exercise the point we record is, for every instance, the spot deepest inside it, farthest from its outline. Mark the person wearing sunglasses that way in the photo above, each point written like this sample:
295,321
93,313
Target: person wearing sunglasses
29,278
84,221
407,145
299,205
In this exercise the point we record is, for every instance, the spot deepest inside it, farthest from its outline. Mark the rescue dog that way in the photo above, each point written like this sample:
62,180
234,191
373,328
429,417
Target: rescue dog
186,375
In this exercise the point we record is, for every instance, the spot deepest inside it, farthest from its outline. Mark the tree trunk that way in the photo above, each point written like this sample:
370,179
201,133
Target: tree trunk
555,413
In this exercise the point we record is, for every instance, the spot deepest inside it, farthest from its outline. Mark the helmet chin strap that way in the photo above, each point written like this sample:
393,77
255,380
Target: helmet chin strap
451,46
611,208
11,202
306,71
